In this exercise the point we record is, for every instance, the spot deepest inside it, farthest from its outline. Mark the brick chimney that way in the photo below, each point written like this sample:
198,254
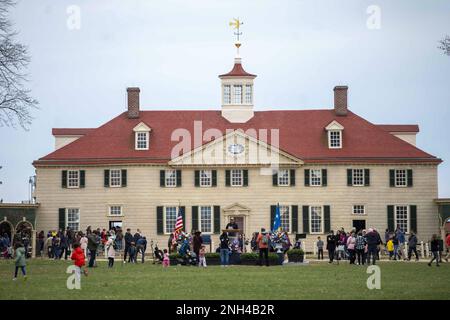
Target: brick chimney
340,100
133,102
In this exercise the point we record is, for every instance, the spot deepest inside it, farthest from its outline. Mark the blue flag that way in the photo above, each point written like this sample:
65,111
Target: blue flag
277,220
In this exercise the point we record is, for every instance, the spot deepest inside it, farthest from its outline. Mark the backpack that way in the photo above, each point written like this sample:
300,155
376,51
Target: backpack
265,239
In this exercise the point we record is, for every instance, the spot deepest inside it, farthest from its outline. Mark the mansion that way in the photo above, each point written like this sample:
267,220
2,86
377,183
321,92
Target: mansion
327,169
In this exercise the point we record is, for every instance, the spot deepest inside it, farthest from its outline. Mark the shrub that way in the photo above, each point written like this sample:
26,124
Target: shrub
295,255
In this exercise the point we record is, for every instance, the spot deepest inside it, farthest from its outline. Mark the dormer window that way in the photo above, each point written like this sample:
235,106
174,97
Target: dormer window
334,131
142,136
335,139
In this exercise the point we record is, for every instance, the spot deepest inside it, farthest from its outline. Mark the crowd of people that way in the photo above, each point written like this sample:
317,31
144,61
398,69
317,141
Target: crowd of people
359,248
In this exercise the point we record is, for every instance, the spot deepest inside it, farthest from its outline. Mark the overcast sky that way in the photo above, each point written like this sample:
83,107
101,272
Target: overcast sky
174,50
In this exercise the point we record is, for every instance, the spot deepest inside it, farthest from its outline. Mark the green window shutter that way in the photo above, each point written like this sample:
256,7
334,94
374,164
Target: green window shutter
160,220
197,178
349,177
124,177
217,219
327,219
413,219
275,178
390,218
106,178
305,219
82,178
324,177
194,218
64,179
294,228
307,171
178,178
214,178
367,177
227,178
273,210
245,174
183,216
410,178
392,178
162,178
292,177
62,218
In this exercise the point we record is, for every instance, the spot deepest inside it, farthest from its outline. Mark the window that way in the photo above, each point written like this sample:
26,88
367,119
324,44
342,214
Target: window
115,178
170,219
205,178
285,218
73,219
73,180
141,140
236,178
248,94
359,209
237,94
316,177
358,177
401,218
316,219
401,178
206,219
227,94
283,177
335,139
171,178
115,210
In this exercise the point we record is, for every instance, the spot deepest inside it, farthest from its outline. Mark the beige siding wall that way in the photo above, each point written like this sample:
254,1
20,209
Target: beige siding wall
143,194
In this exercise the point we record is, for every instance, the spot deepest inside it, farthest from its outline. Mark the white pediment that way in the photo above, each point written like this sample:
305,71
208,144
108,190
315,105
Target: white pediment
334,125
142,127
234,149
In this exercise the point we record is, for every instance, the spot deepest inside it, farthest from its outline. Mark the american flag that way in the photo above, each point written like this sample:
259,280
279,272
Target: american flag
178,225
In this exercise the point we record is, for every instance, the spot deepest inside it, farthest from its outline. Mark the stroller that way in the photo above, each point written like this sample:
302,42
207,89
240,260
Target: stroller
187,256
7,252
158,255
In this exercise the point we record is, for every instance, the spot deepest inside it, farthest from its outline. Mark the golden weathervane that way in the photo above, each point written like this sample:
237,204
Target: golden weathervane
236,24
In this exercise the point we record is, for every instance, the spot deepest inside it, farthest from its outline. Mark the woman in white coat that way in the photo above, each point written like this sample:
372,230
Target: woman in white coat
83,244
111,251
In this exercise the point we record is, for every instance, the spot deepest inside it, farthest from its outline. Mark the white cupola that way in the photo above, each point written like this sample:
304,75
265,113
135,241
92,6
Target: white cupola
237,89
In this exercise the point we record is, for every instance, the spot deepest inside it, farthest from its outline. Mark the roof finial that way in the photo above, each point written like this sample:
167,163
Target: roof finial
236,24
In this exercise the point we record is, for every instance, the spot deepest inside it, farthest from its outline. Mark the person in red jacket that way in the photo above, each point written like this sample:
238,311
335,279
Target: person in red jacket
78,260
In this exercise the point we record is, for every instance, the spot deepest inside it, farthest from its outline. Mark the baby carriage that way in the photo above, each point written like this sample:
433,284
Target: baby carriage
158,255
7,252
189,259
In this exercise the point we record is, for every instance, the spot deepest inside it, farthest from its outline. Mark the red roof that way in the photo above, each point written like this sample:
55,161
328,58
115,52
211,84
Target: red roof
400,127
237,71
301,134
71,131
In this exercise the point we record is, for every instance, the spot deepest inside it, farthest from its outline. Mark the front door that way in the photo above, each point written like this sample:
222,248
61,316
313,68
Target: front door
359,225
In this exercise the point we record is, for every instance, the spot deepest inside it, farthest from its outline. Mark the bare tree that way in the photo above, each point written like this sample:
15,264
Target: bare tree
444,44
15,99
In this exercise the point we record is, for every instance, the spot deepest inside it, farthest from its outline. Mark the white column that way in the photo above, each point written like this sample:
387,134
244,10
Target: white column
406,251
304,248
422,250
315,248
427,250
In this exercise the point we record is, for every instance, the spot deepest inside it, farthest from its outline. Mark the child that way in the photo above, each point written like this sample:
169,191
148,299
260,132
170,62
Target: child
132,252
78,260
434,250
166,260
111,250
390,248
20,260
319,249
201,255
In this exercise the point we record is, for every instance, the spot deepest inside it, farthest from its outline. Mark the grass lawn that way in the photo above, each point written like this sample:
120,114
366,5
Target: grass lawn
47,280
